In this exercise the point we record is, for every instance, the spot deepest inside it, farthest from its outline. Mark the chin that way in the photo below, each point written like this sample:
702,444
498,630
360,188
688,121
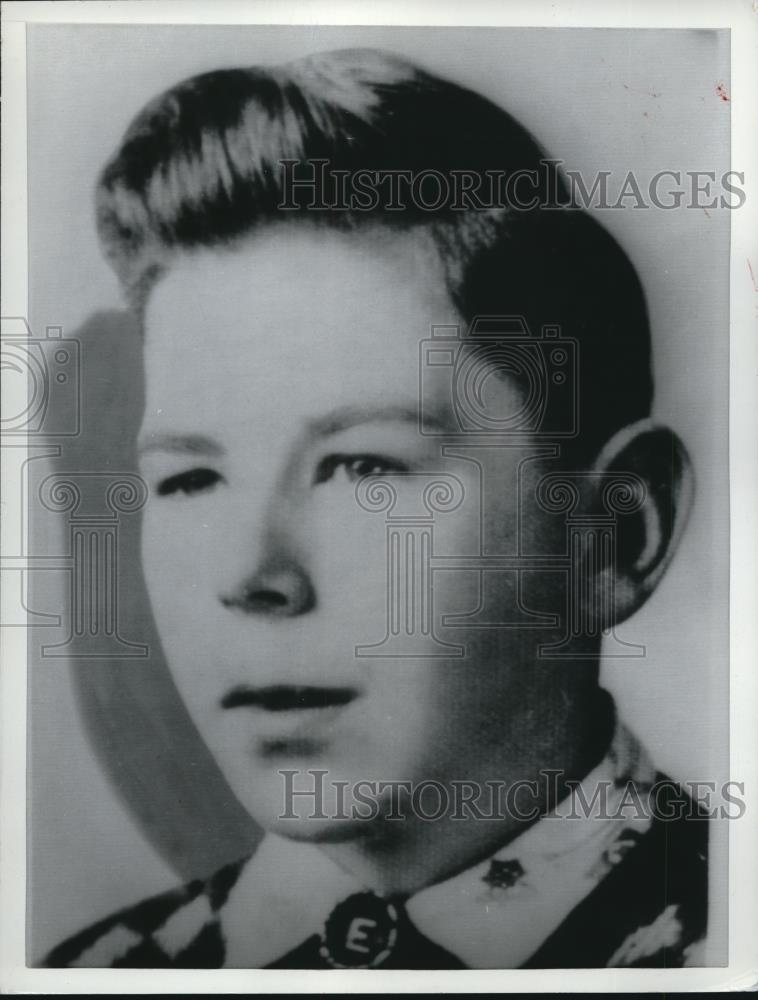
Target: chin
323,819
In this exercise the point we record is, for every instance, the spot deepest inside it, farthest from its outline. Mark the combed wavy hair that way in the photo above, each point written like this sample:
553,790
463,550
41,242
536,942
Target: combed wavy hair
201,167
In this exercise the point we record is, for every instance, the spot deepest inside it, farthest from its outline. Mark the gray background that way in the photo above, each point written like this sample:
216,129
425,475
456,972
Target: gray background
599,99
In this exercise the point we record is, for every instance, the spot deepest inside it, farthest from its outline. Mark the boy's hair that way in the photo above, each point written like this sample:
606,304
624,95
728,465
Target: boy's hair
201,166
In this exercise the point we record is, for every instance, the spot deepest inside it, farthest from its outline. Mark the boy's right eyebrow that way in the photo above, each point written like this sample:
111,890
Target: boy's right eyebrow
185,444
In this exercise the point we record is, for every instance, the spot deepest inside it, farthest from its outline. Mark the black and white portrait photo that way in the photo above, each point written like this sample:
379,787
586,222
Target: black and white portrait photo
375,474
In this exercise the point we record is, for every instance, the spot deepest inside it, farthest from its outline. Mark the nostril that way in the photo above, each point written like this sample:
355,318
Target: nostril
255,599
268,598
295,596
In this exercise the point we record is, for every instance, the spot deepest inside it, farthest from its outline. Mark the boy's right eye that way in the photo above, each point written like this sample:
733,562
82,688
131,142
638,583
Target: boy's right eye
189,482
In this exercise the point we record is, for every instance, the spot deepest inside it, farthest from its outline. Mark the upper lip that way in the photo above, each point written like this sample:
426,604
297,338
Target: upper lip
286,697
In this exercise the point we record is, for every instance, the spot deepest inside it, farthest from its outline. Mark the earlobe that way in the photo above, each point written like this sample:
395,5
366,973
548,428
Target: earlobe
657,462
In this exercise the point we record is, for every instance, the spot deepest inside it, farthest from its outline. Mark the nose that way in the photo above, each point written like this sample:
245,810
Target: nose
277,582
280,587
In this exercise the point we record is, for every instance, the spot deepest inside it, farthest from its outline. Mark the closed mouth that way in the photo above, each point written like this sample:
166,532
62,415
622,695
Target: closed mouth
287,697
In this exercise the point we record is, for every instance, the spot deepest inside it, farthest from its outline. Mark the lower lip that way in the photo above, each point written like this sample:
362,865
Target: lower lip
290,748
301,732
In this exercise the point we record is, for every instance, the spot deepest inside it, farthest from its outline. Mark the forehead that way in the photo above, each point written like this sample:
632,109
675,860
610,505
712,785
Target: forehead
320,312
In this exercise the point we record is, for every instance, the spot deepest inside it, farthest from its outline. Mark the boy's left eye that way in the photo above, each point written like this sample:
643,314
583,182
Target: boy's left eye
356,466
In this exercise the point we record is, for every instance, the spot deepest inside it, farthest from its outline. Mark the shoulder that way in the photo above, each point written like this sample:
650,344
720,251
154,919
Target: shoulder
651,910
179,928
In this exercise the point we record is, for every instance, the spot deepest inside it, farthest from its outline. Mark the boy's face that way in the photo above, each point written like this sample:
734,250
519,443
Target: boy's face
277,374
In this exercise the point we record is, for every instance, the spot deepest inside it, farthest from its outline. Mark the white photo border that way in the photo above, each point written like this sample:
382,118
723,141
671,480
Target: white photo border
741,17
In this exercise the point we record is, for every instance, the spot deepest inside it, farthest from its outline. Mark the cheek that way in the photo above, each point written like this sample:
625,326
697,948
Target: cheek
443,719
161,555
347,551
179,592
181,542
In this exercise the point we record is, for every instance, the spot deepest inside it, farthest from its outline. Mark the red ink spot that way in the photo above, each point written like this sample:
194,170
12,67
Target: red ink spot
721,91
706,212
752,276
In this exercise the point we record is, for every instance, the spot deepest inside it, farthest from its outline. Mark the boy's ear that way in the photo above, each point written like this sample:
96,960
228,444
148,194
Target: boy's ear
646,538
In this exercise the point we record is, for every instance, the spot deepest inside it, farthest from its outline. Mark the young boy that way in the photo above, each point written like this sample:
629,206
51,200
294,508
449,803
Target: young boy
402,483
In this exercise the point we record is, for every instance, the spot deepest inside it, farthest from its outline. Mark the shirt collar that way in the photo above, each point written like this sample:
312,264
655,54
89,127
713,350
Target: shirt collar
287,889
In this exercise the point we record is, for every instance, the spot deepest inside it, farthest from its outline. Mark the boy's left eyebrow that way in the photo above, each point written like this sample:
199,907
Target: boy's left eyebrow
345,417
